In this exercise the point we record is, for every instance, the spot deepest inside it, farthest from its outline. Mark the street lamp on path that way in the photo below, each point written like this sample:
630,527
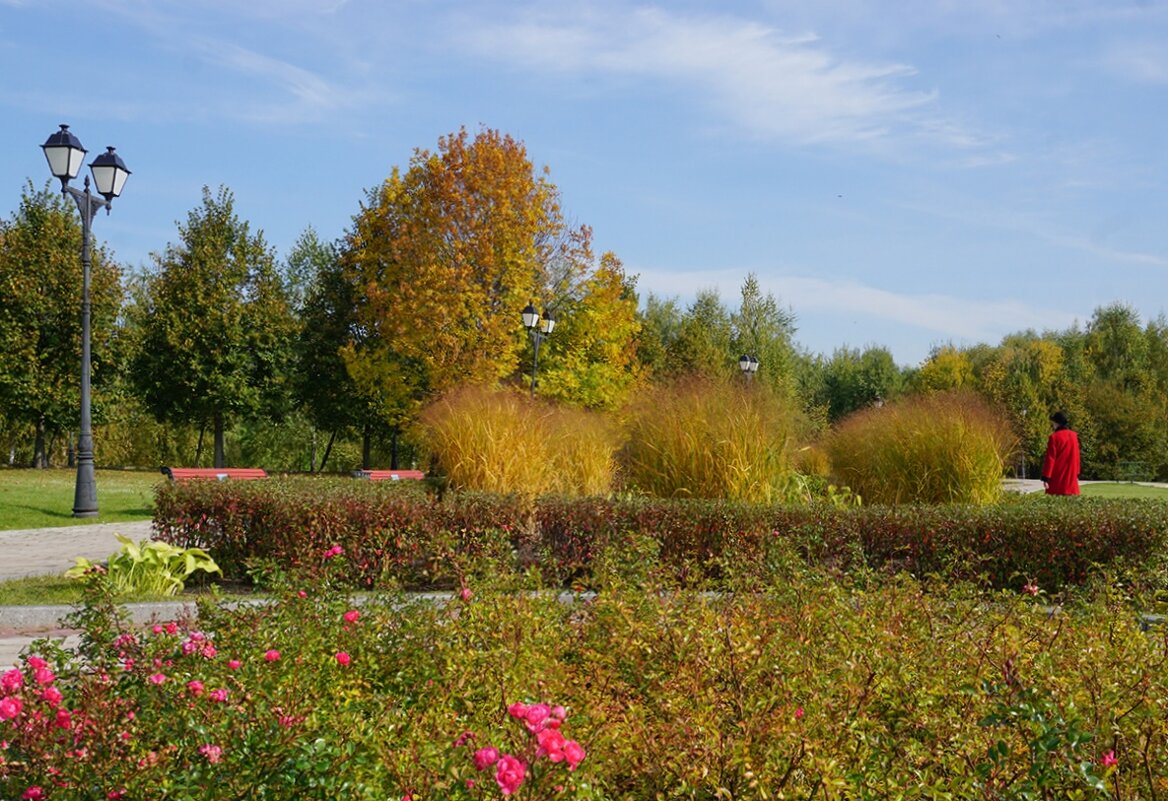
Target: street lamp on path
65,153
540,329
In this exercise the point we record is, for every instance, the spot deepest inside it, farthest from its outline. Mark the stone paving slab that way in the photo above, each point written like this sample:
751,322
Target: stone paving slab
47,551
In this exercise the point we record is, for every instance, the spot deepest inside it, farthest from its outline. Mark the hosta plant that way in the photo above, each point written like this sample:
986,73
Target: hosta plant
146,568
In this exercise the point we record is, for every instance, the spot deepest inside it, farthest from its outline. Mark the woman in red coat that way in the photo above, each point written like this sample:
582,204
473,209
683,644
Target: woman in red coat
1060,465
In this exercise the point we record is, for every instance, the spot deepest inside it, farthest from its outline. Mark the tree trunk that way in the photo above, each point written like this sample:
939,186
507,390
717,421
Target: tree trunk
40,459
393,465
366,447
70,454
312,453
327,450
199,447
220,457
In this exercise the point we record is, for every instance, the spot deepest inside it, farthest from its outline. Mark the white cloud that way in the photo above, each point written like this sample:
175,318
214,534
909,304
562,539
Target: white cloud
1139,62
944,316
770,83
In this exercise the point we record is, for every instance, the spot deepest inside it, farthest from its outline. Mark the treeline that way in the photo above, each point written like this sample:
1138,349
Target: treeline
222,352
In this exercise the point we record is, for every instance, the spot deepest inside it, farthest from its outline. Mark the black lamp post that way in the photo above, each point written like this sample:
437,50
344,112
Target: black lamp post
540,329
65,154
749,366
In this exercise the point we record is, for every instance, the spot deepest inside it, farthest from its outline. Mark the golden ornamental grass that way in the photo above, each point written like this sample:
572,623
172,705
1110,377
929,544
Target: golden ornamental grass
941,447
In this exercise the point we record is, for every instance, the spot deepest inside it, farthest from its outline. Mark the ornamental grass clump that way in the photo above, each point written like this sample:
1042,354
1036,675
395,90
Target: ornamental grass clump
943,447
501,441
697,438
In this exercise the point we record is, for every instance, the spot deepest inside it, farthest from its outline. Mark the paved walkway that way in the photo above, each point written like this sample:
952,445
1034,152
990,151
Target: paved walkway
49,551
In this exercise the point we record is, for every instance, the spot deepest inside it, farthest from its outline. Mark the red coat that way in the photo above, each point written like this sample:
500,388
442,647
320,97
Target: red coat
1060,465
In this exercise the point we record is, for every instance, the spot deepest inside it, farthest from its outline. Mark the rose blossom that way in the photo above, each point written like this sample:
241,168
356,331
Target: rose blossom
34,793
484,758
517,710
219,695
1109,759
272,655
195,687
213,753
11,681
10,708
551,744
157,678
509,773
351,616
574,753
343,658
35,662
234,664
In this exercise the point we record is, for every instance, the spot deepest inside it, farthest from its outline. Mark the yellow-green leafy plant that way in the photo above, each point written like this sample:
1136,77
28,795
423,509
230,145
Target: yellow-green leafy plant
940,447
146,568
499,440
698,438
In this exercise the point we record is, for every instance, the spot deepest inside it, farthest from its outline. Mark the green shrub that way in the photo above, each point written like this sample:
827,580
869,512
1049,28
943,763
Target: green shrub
814,689
705,439
501,441
941,447
395,532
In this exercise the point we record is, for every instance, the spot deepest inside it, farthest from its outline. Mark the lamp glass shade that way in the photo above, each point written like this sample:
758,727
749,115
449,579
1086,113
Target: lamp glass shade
744,363
549,322
753,365
109,174
530,317
64,153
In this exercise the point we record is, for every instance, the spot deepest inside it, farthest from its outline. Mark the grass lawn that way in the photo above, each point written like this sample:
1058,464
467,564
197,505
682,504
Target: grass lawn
43,498
1122,489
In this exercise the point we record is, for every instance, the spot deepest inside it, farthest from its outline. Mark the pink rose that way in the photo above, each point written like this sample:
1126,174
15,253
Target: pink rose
559,713
1109,760
301,594
44,676
195,687
536,716
51,696
34,793
157,678
509,773
343,658
233,664
517,710
799,713
351,616
63,720
213,753
484,758
336,550
465,594
574,753
10,708
272,655
11,681
551,744
35,662
218,696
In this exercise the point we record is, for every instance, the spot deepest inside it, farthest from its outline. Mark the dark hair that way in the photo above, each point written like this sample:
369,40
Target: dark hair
1059,418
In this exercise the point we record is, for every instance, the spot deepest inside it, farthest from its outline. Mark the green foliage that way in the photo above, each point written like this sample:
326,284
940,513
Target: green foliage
936,448
213,326
501,441
711,439
147,568
40,322
818,688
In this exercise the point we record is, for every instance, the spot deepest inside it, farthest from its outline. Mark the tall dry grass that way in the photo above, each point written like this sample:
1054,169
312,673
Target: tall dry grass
498,440
704,439
942,447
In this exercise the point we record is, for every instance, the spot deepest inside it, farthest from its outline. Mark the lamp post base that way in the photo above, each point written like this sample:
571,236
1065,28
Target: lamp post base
85,493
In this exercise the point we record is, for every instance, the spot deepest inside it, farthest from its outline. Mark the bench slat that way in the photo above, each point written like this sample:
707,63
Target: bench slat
389,475
214,473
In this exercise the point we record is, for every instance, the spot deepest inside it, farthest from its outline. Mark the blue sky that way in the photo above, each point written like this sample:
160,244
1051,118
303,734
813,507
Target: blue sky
905,174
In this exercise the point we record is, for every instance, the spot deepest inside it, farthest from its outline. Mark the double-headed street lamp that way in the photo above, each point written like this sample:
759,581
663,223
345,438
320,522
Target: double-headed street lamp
65,154
749,366
540,329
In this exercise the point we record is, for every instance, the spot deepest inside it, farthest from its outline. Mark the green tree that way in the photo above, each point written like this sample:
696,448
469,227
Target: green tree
40,318
705,339
764,330
855,379
216,328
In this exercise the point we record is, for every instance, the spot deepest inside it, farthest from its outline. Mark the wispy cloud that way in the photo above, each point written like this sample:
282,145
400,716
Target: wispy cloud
945,316
1139,62
768,82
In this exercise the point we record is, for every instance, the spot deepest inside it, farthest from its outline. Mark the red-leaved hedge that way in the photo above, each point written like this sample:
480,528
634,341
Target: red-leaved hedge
400,532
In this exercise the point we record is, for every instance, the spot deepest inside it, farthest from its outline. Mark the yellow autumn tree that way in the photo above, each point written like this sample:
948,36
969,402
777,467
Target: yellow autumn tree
442,259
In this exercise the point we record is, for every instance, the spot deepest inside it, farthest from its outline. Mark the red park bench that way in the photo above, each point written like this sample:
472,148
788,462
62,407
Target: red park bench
389,475
213,473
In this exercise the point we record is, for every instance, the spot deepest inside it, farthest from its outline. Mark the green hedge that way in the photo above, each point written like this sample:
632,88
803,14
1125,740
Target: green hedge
402,533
